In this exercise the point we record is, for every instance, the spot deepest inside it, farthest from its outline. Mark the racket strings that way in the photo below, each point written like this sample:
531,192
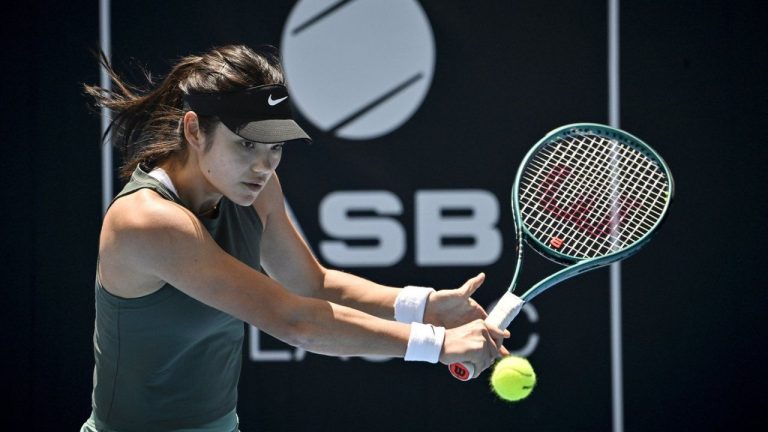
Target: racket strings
585,195
576,212
647,189
596,229
583,170
606,203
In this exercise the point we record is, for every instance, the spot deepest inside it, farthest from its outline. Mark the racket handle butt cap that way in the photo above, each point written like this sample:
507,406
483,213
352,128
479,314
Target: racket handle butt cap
462,371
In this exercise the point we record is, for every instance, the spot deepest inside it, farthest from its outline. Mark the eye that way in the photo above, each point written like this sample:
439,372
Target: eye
277,148
248,145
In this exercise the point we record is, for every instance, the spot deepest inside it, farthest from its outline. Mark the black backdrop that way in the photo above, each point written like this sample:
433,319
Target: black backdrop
693,85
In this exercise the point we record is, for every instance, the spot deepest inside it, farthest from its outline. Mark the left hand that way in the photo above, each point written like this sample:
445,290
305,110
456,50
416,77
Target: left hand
454,307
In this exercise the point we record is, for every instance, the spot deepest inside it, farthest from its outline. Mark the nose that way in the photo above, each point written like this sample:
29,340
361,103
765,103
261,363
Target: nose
264,162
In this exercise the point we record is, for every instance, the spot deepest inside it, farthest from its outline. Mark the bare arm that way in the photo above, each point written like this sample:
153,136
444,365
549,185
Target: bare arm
158,239
288,259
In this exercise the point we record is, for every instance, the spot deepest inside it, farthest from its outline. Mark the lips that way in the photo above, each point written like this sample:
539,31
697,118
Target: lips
257,183
254,186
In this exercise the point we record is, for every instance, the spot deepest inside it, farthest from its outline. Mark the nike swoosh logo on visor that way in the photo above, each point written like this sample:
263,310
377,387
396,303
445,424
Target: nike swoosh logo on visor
273,102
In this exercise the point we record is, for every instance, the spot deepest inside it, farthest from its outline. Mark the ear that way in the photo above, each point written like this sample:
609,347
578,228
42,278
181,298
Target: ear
192,132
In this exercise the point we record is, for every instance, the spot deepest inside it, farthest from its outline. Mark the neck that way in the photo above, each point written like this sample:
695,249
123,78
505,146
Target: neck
197,194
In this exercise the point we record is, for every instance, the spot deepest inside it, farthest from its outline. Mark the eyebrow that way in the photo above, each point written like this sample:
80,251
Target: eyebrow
244,140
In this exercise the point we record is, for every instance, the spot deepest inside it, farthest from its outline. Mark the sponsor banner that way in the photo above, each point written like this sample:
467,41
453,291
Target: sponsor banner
420,112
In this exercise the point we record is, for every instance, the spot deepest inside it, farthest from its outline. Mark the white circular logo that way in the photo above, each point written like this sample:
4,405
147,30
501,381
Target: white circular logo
358,68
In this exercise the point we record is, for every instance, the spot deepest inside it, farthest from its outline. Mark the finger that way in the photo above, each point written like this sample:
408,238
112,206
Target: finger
493,349
497,333
503,351
478,309
492,356
473,284
484,360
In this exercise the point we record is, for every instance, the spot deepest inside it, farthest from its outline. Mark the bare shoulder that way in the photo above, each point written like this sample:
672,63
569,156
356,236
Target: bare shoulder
144,220
138,229
146,210
147,242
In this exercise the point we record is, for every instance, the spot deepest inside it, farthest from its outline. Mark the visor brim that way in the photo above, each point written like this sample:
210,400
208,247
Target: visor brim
268,131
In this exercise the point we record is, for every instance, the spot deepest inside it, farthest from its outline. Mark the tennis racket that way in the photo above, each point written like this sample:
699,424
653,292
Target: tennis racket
586,195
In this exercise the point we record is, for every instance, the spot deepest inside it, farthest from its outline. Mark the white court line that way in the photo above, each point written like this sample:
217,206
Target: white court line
105,42
615,275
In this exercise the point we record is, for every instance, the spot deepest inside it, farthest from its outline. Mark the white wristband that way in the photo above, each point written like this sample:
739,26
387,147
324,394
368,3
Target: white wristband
425,343
410,304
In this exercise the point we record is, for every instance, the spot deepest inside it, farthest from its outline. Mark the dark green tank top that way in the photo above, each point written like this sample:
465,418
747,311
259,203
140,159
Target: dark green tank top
167,361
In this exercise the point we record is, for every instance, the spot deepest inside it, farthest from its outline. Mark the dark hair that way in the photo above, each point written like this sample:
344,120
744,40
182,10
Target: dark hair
146,125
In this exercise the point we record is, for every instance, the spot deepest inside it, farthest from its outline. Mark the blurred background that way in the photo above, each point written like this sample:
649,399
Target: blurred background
421,112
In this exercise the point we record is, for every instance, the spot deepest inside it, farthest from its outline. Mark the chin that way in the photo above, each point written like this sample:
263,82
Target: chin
242,195
244,201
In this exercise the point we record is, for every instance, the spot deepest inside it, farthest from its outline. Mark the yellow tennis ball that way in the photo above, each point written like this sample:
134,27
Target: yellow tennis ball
513,378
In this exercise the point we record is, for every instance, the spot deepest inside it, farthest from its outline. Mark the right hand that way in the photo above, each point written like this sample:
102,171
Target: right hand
477,342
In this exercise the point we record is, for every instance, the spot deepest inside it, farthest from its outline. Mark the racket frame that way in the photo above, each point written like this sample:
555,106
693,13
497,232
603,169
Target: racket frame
578,265
507,308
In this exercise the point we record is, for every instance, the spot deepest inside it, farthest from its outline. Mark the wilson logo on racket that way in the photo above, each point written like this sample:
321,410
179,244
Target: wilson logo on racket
459,371
581,211
556,242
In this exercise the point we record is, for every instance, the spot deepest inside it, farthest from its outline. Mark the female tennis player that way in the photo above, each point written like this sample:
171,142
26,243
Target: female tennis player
199,241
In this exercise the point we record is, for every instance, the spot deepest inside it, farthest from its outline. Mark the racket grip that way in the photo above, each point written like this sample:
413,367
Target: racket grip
503,313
